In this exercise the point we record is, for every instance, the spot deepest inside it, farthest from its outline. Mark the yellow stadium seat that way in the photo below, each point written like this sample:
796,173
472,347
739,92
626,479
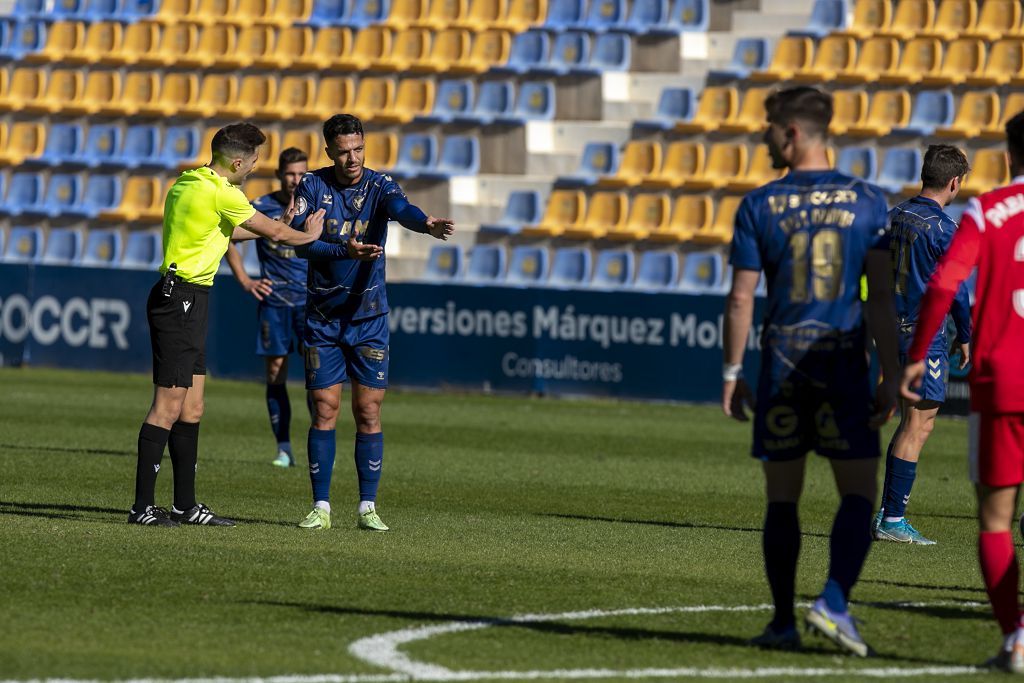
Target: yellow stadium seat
909,19
176,41
717,104
218,43
373,96
100,95
289,12
792,54
1005,64
997,18
257,49
294,49
142,199
215,12
605,211
381,150
920,56
953,18
139,96
751,115
989,170
334,93
691,214
483,14
101,38
414,97
140,45
62,39
254,12
523,14
63,87
26,85
977,112
640,160
760,171
371,45
269,153
25,140
301,139
849,108
565,207
411,46
443,13
173,11
326,51
297,98
258,187
405,13
726,160
964,58
217,92
877,56
1013,105
836,54
869,17
721,229
889,109
256,98
683,160
648,213
488,48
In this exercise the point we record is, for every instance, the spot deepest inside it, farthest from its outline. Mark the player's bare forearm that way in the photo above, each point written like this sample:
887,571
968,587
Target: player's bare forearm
240,234
235,263
279,232
739,315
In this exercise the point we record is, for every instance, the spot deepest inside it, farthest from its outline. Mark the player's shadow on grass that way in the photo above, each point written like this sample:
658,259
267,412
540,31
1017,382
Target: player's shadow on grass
938,611
552,627
657,522
67,449
924,586
75,513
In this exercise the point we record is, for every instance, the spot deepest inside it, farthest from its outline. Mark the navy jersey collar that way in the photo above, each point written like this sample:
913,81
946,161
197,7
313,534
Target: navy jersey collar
927,201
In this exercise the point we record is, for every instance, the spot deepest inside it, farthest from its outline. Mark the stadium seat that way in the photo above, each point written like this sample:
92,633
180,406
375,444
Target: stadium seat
964,58
30,9
640,159
869,17
909,19
570,51
953,18
522,14
140,44
25,140
702,272
530,50
381,149
101,94
373,96
454,101
368,13
141,199
215,12
675,105
103,146
257,187
486,264
203,151
528,265
607,15
297,98
749,55
460,156
565,15
859,162
328,13
921,57
416,153
24,244
877,56
216,93
63,247
900,168
334,93
26,38
606,211
25,195
717,104
760,171
978,111
101,39
488,48
647,15
614,269
996,18
103,248
63,38
1005,64
326,49
826,16
932,109
63,87
405,13
792,55
451,48
691,215
256,99
180,144
65,196
648,213
64,145
720,230
988,170
257,49
657,270
889,109
565,207
524,207
443,13
166,96
1014,105
408,47
725,161
481,15
179,42
751,115
836,54
611,52
570,267
444,262
143,250
535,101
687,16
683,160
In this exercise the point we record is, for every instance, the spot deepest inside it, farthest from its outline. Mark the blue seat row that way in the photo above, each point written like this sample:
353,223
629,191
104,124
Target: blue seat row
421,156
68,246
459,101
62,195
826,16
354,13
524,207
540,53
86,10
110,145
646,16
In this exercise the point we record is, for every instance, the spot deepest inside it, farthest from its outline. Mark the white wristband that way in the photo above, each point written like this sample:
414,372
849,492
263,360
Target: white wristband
731,372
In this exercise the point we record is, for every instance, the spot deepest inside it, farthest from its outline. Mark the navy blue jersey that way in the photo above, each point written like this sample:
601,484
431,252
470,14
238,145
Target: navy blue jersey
278,262
810,233
349,289
920,234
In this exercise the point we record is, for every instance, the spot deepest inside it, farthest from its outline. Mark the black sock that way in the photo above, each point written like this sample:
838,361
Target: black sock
781,546
184,447
152,440
848,547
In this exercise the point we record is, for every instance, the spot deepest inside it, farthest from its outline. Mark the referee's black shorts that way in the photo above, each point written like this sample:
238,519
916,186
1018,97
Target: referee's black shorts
177,332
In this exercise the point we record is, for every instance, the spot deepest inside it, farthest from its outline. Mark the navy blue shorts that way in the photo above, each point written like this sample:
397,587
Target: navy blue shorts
337,351
281,329
936,366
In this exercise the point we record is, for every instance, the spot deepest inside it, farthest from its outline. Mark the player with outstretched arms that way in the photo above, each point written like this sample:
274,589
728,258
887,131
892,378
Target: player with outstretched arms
813,233
991,238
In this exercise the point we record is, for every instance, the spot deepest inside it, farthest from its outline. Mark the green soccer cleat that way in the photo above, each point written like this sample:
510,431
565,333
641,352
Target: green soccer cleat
370,521
901,532
283,459
876,522
317,519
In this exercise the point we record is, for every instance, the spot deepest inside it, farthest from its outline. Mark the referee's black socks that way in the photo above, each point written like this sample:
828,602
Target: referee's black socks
184,447
152,440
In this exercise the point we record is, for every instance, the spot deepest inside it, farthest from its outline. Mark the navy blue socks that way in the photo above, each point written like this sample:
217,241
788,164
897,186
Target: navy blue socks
897,493
321,447
369,457
280,410
781,546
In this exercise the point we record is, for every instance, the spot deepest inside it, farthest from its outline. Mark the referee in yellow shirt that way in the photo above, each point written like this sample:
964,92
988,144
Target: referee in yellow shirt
203,212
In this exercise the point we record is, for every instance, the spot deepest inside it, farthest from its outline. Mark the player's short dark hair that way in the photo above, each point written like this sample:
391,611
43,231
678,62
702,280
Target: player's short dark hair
941,164
342,124
237,140
808,105
1015,136
291,155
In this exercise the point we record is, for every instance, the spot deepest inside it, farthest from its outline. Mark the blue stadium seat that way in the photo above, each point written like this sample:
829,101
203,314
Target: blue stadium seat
65,196
902,166
141,148
143,250
614,269
750,54
535,101
647,15
65,145
24,244
932,109
571,51
676,105
687,15
570,267
606,15
31,9
444,262
702,272
612,52
102,248
860,162
564,15
496,102
6,35
87,10
657,270
530,50
453,102
102,192
25,195
368,12
524,207
460,155
181,143
599,158
63,247
486,264
328,13
416,153
528,266
826,16
134,10
103,146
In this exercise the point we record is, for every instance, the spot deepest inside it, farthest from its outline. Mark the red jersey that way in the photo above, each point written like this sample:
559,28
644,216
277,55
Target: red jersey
991,237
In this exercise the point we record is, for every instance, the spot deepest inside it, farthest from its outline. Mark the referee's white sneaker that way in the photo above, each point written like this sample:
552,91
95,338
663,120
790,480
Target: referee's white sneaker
200,514
151,516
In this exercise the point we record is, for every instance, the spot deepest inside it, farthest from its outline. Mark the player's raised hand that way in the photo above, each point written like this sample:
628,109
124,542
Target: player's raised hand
736,397
440,228
886,398
259,288
289,213
912,376
363,252
315,223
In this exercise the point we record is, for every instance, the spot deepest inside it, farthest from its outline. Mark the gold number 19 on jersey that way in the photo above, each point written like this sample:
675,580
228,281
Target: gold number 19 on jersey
821,257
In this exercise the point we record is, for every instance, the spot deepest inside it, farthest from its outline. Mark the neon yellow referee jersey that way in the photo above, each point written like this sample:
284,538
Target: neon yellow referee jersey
201,211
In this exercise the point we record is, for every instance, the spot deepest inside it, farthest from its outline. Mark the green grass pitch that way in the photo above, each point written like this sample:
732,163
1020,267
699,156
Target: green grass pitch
498,507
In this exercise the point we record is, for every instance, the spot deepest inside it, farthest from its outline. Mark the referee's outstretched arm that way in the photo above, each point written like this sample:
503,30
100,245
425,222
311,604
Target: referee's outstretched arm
260,225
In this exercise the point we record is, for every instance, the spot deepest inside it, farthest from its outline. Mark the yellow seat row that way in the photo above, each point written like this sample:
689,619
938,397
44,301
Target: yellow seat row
237,12
655,217
983,115
987,19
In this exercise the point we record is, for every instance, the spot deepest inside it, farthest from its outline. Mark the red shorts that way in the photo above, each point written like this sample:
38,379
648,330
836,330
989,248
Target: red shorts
996,448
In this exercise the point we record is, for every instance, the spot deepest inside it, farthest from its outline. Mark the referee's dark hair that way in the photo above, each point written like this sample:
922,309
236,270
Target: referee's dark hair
941,164
808,105
237,140
291,155
1015,142
342,124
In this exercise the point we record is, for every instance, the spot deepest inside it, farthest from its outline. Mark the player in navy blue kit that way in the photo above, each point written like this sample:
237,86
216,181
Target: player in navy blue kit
346,311
920,234
281,293
813,232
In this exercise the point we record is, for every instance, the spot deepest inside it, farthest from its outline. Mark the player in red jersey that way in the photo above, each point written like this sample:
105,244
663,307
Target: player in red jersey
991,237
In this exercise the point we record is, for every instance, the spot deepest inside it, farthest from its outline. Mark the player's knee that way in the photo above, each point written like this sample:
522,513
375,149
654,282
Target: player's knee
367,417
192,411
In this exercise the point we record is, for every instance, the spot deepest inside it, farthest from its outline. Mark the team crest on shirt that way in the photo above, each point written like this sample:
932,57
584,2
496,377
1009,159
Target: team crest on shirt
359,201
300,206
